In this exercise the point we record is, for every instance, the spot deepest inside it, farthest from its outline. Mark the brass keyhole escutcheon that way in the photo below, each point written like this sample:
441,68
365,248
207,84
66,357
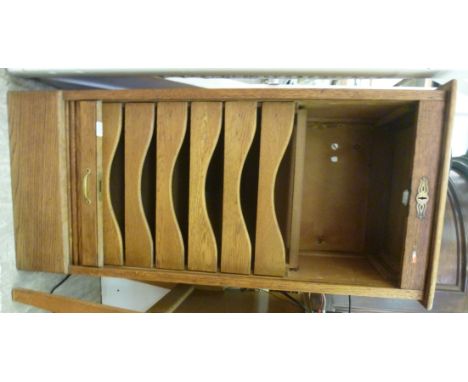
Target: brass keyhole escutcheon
422,198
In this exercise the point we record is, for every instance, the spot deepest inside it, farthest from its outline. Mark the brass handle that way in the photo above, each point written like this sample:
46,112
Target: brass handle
85,186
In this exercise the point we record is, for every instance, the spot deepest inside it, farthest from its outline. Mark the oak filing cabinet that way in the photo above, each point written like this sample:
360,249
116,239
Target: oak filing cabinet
338,191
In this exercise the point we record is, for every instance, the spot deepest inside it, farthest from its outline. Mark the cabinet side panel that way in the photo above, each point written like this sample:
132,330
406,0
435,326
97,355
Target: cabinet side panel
39,180
450,89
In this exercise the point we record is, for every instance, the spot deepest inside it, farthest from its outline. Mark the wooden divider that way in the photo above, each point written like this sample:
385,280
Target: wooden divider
276,129
239,131
87,178
296,187
112,129
170,133
139,127
205,127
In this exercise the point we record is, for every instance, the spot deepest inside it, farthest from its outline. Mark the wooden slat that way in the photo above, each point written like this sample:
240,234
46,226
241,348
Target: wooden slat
99,172
297,169
240,123
205,127
425,164
171,301
112,129
74,182
139,127
187,94
87,164
248,281
276,129
170,133
61,304
450,89
39,180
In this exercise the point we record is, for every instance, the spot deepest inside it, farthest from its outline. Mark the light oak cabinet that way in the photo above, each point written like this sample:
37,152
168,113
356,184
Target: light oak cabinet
315,190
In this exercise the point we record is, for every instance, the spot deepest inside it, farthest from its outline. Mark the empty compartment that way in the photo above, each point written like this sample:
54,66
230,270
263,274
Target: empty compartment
355,191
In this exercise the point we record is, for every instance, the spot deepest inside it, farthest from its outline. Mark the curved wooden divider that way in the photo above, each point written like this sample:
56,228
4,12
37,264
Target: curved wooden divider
112,129
170,133
239,130
139,127
205,127
276,129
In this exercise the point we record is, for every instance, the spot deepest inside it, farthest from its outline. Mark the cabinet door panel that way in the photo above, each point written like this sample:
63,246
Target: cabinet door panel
424,181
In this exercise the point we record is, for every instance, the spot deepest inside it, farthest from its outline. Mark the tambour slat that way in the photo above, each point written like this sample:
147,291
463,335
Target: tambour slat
100,224
276,129
297,170
170,133
239,130
87,178
112,129
205,127
139,127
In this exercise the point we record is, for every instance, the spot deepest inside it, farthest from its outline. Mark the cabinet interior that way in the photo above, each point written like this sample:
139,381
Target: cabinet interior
356,190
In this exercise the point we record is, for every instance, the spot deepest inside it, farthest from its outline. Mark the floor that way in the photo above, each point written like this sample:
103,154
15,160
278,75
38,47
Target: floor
87,288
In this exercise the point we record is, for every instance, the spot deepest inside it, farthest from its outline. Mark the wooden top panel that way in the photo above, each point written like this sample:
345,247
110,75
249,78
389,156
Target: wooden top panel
187,94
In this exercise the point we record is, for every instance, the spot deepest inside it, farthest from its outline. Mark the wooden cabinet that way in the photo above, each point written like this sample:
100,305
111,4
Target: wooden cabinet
316,190
452,282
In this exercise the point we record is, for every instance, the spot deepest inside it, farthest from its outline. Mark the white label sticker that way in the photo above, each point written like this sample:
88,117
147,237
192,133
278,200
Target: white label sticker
413,257
99,129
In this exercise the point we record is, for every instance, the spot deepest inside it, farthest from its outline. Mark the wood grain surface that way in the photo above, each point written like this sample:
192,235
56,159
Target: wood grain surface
297,186
205,127
336,176
170,133
139,127
239,130
384,289
87,178
62,304
39,180
276,129
112,129
171,301
450,90
425,164
187,94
